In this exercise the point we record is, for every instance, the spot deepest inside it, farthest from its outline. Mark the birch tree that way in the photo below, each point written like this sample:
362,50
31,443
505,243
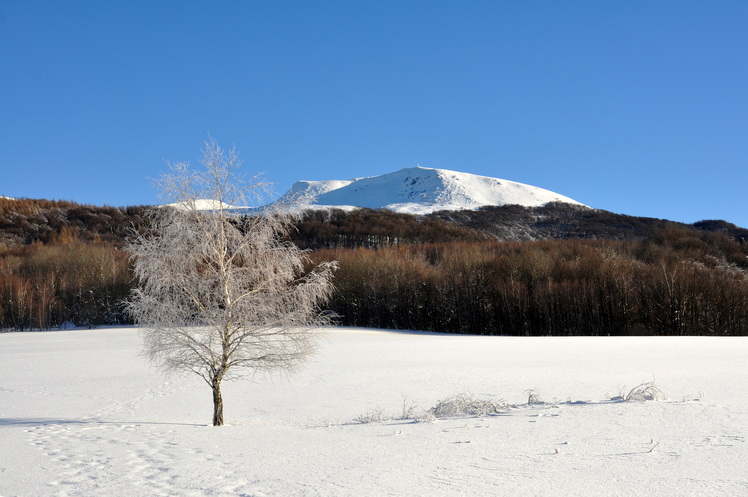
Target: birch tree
223,295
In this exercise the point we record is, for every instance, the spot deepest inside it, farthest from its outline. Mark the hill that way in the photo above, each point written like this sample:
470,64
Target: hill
554,269
421,190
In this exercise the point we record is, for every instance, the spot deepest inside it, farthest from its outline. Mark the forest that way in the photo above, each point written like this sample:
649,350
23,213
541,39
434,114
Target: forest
568,271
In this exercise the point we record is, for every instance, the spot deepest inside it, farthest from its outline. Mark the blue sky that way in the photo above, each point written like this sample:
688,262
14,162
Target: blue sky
637,107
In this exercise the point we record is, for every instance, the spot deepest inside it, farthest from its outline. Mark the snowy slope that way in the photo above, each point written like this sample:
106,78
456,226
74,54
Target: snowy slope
304,189
420,190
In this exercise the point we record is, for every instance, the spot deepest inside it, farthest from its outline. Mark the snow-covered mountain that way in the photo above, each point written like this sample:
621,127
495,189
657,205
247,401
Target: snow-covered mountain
421,190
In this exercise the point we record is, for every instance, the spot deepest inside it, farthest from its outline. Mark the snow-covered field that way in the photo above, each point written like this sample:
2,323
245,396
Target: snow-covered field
81,414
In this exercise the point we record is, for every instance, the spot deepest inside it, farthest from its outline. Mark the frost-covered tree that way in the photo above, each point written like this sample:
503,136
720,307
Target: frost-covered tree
223,295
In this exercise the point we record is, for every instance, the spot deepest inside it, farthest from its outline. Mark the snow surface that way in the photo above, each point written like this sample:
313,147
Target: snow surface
81,414
421,190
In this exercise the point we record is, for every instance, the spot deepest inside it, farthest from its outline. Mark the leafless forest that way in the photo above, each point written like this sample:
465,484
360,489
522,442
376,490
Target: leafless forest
63,262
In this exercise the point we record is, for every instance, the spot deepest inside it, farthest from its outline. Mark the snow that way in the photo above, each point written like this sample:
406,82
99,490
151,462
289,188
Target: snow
81,414
416,190
421,190
200,205
315,188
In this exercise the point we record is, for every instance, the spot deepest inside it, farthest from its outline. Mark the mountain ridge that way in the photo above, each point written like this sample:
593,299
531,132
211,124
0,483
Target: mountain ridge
421,190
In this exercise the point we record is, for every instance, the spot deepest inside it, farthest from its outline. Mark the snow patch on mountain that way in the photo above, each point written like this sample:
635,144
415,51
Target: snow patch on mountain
421,190
201,204
313,189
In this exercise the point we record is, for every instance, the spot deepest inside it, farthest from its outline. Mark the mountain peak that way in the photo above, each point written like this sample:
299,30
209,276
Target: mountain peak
422,190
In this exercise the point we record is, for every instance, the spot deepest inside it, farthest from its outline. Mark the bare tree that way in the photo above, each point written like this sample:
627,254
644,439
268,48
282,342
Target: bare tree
223,295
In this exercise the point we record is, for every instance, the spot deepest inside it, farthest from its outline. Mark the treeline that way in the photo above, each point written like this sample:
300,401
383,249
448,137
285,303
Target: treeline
564,221
63,262
679,282
26,221
370,228
592,273
68,280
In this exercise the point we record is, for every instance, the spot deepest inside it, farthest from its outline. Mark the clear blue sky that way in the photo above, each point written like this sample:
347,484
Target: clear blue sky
637,107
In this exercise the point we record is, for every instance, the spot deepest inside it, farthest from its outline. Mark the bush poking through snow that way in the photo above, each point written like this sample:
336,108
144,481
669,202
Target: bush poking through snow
409,408
533,397
426,417
645,391
374,416
467,405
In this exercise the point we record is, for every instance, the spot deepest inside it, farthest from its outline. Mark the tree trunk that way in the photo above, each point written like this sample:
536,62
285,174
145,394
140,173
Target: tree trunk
217,404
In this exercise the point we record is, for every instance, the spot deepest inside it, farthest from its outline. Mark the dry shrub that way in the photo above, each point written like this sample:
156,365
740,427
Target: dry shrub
374,416
533,397
645,391
464,404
